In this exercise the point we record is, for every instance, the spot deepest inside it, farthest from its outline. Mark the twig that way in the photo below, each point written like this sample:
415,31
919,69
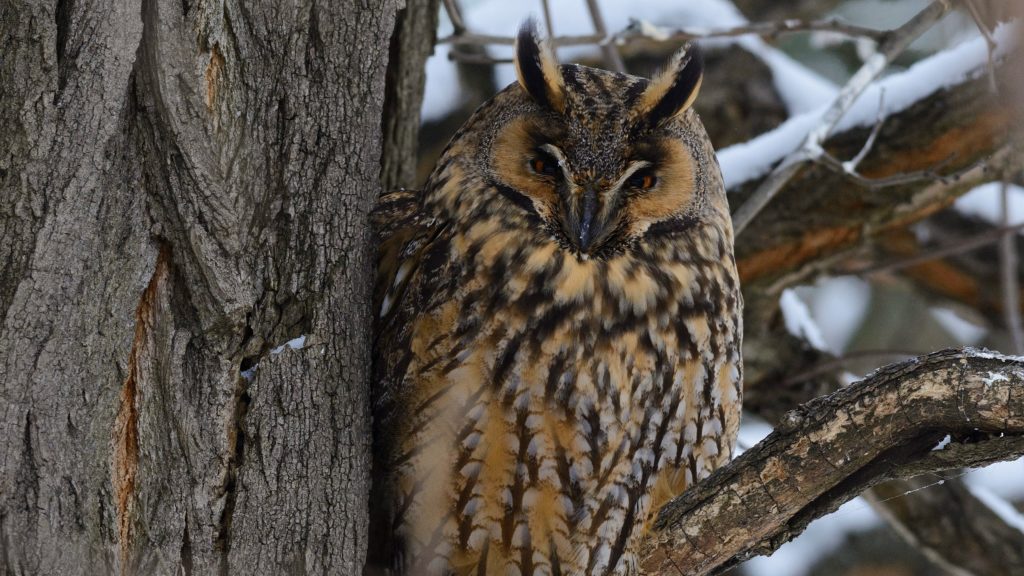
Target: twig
990,42
892,46
638,30
549,23
611,52
641,29
472,38
455,15
851,165
1008,272
827,366
931,173
966,245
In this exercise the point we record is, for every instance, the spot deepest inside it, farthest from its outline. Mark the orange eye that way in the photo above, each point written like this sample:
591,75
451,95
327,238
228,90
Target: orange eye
544,166
643,180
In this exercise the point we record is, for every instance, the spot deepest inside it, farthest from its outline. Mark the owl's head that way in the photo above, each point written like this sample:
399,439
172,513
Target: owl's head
599,161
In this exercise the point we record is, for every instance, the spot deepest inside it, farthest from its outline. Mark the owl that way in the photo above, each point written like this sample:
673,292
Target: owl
557,346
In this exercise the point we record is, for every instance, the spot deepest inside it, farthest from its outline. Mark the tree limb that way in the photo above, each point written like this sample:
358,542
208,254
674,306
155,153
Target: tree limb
821,217
893,46
831,449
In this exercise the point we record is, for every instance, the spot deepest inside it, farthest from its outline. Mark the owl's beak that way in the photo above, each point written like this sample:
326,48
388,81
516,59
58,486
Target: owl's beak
586,223
588,210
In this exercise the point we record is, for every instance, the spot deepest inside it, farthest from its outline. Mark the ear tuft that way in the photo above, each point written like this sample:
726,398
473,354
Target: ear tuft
673,91
537,68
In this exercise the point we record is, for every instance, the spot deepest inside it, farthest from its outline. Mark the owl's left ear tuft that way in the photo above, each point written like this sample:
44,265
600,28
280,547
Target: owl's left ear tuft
673,91
537,68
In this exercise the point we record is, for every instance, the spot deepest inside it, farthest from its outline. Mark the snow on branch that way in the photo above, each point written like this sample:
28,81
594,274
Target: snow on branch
888,50
750,160
829,450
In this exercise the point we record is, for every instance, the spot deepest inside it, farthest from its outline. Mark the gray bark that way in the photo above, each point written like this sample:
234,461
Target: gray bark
185,186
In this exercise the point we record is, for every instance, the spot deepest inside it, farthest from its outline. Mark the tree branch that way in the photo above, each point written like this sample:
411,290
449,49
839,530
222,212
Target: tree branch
822,216
831,449
893,46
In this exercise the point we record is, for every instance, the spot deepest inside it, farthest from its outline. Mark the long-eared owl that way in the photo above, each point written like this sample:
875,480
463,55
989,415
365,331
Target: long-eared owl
557,350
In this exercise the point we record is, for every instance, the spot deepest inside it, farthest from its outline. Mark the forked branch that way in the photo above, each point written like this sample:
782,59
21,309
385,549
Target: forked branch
831,449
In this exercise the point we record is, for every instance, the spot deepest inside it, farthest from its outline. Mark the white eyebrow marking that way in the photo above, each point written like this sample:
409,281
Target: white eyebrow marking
562,162
633,167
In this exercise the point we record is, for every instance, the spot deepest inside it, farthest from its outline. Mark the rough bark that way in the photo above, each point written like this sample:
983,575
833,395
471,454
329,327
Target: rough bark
831,449
945,522
186,187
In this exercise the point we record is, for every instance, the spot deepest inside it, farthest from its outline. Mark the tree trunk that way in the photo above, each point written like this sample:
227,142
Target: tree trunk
185,187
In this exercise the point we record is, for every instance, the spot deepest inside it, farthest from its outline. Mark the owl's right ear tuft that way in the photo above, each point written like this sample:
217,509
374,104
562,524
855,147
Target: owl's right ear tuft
537,68
673,91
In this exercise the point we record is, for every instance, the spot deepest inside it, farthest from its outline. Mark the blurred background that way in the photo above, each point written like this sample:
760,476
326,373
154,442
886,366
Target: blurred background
930,263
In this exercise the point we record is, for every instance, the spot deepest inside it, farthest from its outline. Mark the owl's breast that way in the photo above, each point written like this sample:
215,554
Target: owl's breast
558,400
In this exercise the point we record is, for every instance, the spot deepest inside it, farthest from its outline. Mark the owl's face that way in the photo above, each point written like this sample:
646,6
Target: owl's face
596,160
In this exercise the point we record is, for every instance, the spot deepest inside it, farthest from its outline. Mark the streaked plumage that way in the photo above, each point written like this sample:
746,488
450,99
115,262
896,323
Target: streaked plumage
558,346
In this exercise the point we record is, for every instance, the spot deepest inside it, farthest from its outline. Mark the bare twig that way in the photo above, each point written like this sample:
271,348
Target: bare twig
455,15
928,174
472,38
833,448
990,42
966,245
611,52
851,165
645,31
827,366
549,22
892,46
1008,273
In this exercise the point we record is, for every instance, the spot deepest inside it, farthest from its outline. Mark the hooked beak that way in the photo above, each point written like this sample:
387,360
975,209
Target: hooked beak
587,223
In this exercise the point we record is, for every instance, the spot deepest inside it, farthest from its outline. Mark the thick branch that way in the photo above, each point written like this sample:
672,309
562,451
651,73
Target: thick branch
833,448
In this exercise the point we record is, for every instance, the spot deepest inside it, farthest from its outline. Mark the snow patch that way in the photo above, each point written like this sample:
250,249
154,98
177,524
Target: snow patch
1000,506
963,330
752,431
838,306
985,202
994,377
746,161
798,319
943,443
821,538
1001,478
990,355
293,344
